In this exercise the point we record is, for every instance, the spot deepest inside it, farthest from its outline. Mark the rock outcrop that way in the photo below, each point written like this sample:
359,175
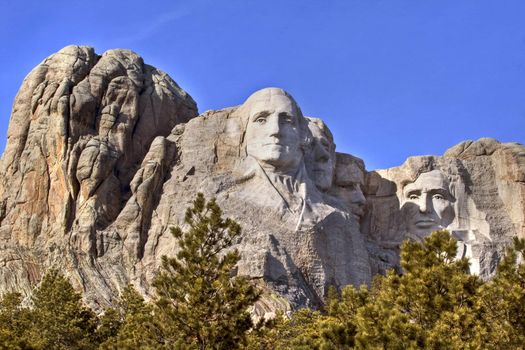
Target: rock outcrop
104,154
476,190
81,128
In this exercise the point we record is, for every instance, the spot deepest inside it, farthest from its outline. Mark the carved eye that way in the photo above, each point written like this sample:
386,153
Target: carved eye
285,118
438,196
325,145
413,196
260,120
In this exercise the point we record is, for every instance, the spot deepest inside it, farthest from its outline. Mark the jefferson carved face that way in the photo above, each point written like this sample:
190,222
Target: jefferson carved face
272,134
321,156
427,204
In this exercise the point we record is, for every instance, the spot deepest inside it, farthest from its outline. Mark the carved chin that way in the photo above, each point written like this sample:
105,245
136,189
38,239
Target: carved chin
357,210
276,155
322,181
423,229
281,161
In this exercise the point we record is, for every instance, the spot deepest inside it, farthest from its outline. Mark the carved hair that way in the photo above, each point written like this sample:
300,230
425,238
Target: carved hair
454,172
324,129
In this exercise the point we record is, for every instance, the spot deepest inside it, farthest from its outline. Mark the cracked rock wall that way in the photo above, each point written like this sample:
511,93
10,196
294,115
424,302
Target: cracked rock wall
104,153
81,127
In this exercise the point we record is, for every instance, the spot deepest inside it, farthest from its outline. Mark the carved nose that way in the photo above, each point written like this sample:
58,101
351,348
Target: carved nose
358,196
322,157
423,204
273,126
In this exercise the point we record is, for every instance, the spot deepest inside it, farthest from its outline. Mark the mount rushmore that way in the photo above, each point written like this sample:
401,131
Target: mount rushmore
104,153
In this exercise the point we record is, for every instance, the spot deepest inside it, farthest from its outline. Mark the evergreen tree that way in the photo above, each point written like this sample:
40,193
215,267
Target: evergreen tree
501,303
59,320
130,325
200,305
14,323
301,331
431,305
340,332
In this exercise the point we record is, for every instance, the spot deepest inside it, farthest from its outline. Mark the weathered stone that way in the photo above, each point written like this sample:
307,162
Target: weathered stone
296,238
80,129
105,153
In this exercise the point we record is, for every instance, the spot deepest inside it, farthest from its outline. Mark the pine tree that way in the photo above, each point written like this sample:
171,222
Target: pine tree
301,331
501,303
200,305
341,331
130,325
14,322
431,305
434,304
59,320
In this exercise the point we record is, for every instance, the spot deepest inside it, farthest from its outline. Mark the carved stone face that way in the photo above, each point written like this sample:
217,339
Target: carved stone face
349,181
321,158
272,134
357,199
427,204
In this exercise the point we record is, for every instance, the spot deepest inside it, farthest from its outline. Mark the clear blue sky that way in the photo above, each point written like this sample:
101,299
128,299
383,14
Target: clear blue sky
392,78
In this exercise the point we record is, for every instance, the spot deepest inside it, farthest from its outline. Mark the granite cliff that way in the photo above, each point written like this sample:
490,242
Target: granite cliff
104,153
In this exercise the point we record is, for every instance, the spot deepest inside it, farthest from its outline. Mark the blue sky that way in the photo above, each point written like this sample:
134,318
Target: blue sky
391,78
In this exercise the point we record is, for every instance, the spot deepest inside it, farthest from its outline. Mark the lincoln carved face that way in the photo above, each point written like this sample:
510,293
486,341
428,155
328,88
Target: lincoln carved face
427,204
321,156
273,134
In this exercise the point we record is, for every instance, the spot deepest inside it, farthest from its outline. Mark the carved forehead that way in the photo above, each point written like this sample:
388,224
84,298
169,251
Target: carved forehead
271,99
318,128
431,180
356,174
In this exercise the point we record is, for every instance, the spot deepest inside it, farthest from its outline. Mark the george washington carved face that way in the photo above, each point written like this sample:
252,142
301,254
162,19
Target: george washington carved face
273,135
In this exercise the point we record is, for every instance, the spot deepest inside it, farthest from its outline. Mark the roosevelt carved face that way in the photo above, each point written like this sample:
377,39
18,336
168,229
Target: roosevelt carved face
349,181
357,199
427,204
272,133
321,156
